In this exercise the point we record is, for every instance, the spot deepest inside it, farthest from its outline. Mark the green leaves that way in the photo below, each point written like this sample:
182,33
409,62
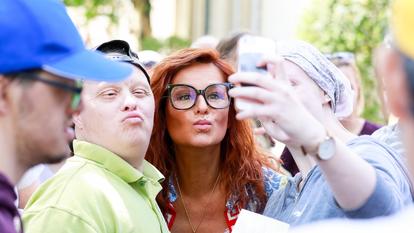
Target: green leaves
166,46
94,8
350,25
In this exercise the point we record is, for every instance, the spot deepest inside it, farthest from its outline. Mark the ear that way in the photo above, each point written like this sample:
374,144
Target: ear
4,84
326,99
391,70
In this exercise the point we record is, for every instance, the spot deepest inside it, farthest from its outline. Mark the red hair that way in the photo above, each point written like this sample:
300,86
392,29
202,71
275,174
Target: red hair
242,161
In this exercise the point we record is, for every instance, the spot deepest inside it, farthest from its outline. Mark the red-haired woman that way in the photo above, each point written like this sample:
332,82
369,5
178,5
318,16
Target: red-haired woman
211,163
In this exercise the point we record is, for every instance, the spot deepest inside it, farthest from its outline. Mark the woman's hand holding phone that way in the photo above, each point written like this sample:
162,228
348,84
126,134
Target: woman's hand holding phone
273,101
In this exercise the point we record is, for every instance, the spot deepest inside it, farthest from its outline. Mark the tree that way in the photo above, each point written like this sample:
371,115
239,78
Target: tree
357,26
95,8
144,9
107,8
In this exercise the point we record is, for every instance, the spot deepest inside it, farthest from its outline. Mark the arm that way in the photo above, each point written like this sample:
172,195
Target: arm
352,179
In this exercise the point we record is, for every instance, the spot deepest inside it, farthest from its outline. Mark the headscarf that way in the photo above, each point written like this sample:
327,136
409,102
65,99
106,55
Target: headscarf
323,72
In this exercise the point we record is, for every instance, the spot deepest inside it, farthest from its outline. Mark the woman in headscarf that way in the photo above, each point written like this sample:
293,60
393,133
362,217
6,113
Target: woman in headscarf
341,175
354,123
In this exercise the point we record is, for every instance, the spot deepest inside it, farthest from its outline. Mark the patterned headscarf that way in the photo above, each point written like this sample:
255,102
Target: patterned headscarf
323,72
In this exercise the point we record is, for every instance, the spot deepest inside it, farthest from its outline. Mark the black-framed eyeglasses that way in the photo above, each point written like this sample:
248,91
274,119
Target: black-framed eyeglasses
75,90
183,96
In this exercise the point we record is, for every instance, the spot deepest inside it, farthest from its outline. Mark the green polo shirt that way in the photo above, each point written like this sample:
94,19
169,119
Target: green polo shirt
97,191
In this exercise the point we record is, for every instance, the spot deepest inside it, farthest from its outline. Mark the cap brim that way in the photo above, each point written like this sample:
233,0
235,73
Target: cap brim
89,65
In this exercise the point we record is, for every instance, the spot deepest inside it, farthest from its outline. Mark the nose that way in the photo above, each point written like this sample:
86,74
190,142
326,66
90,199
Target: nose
130,102
201,106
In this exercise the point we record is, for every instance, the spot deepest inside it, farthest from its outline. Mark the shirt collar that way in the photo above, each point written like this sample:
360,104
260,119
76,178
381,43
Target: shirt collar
114,163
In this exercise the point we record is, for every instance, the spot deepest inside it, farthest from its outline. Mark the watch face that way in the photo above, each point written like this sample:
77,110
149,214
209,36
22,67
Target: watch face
327,149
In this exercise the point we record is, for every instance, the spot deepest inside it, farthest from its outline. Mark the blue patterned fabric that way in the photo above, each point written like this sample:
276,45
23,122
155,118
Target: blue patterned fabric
272,181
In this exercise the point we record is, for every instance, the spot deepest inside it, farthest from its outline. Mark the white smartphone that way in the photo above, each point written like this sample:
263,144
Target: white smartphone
251,49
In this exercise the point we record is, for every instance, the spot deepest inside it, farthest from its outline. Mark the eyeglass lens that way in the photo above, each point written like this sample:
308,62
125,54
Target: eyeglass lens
184,97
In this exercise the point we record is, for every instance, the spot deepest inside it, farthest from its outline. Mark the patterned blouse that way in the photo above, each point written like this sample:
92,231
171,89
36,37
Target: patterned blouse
272,181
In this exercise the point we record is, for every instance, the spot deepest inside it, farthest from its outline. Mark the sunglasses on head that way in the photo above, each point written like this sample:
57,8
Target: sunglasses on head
341,57
119,50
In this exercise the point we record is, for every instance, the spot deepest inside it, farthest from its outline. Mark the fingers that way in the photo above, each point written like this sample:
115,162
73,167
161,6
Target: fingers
275,131
253,94
269,59
254,110
275,92
259,131
264,81
275,67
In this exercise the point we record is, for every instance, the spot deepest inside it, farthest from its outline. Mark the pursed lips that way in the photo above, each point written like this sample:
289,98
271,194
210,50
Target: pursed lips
202,125
135,116
203,122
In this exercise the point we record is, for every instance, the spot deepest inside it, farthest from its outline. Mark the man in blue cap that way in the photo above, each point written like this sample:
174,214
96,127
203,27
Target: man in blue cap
41,58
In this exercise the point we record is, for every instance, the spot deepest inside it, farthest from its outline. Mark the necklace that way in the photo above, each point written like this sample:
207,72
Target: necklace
194,229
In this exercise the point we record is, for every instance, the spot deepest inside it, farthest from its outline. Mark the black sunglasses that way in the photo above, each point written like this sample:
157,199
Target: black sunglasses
75,90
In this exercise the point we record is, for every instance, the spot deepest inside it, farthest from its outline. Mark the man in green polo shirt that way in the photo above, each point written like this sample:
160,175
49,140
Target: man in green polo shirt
107,186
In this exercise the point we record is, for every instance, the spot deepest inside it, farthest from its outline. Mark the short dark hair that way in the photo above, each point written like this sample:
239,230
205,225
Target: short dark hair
228,46
409,72
21,76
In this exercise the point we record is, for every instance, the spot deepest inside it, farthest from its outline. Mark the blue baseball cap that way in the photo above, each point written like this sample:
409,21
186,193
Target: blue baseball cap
38,34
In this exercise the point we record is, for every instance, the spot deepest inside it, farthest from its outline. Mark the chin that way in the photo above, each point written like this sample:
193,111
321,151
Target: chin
204,143
38,152
57,158
134,137
50,158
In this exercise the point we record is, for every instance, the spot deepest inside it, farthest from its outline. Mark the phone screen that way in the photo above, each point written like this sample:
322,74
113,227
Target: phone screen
252,49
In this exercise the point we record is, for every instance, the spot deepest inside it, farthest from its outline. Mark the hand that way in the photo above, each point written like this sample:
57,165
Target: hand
273,101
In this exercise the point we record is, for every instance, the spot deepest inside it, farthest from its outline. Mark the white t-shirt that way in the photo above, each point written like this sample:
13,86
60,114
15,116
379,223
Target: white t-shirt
38,173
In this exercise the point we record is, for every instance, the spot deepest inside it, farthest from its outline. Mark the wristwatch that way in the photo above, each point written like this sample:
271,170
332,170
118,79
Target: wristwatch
326,149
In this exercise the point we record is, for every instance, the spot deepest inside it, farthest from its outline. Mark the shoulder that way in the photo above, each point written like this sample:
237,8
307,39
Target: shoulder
52,219
389,164
386,132
78,193
377,153
368,146
390,135
73,186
